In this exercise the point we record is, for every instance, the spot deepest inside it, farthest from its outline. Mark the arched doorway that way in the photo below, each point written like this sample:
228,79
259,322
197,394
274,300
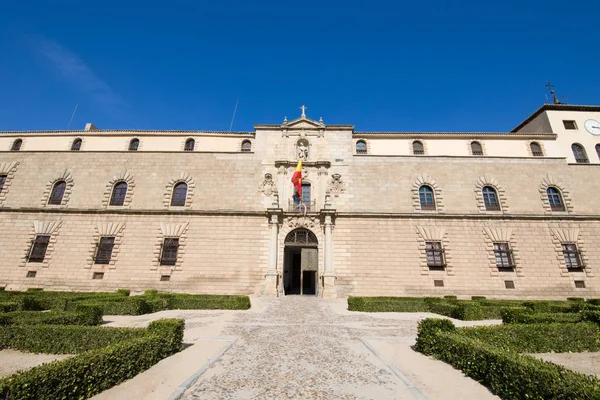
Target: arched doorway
300,262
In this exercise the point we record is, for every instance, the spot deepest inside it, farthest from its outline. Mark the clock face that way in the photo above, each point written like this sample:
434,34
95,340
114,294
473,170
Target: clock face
592,126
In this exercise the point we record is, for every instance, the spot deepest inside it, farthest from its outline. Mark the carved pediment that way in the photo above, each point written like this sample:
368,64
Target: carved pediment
303,123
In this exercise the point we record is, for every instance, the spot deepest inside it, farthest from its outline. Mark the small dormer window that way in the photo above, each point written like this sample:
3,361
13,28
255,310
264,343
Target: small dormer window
16,146
134,144
570,124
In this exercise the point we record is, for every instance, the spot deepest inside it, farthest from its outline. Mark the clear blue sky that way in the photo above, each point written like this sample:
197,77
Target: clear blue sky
393,65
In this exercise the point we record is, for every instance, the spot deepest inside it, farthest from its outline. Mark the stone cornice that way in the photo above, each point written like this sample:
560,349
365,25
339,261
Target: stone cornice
317,164
128,133
454,135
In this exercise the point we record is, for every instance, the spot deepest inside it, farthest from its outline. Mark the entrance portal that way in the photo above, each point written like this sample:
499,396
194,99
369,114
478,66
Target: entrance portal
300,263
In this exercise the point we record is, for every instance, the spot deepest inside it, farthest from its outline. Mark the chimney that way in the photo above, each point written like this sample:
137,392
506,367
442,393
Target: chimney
89,127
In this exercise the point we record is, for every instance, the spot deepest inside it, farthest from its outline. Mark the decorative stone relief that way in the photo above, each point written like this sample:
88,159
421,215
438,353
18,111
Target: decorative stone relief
298,222
336,185
560,236
122,177
424,179
8,169
501,235
191,186
487,181
433,234
268,187
166,230
44,228
549,181
64,176
302,146
110,229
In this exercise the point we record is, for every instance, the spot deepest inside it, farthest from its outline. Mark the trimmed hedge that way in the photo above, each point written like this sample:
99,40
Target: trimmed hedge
7,306
507,374
387,304
83,316
525,316
203,301
94,371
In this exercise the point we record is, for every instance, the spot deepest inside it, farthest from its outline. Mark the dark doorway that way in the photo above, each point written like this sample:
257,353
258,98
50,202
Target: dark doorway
309,281
300,263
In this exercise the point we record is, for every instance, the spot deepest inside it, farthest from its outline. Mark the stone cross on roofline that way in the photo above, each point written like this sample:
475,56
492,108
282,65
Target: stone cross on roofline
303,108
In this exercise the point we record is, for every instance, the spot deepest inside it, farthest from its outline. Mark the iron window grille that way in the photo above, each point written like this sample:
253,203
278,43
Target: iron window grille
179,195
426,198
104,250
16,145
301,237
476,149
573,258
555,199
38,248
189,145
361,147
246,146
134,144
504,257
490,199
119,192
536,149
2,182
579,154
168,254
76,146
302,205
435,255
418,148
58,191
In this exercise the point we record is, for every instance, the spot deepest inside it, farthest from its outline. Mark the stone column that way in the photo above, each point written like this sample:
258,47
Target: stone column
329,271
272,275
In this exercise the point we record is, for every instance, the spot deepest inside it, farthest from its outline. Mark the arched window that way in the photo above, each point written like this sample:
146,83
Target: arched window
361,147
119,192
134,144
58,191
476,149
179,194
426,198
490,198
16,145
536,149
246,145
598,150
189,145
418,148
555,199
579,153
76,145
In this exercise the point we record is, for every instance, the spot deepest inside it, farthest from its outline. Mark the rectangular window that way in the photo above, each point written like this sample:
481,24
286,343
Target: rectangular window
504,259
572,256
438,283
571,125
579,284
509,284
98,275
104,250
31,274
435,255
169,251
165,278
38,249
2,182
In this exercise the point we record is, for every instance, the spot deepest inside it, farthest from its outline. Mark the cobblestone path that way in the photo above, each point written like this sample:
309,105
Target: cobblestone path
298,348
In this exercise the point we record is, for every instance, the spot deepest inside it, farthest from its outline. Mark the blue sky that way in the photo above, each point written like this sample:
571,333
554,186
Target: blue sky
379,65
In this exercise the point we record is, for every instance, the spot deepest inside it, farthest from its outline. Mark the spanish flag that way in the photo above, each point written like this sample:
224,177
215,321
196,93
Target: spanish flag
297,179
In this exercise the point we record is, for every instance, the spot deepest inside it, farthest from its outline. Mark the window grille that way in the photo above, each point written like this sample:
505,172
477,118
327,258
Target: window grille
418,148
476,149
76,146
168,254
555,199
361,147
189,145
16,145
579,154
504,256
426,198
37,252
58,191
490,199
572,256
104,250
246,145
118,194
438,283
165,278
300,237
579,284
2,182
179,195
536,149
435,255
134,144
31,274
509,284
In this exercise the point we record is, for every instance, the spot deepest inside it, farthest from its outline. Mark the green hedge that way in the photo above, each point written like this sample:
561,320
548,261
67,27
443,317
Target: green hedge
443,308
387,304
83,316
7,306
522,316
507,374
94,371
203,301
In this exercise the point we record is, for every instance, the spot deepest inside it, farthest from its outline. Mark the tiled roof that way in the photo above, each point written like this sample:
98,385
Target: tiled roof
125,131
555,107
454,134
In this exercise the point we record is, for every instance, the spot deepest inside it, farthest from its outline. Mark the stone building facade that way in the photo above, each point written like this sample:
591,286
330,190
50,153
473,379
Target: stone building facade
506,215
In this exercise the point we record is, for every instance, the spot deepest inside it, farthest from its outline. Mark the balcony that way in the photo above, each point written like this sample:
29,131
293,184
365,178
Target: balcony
302,206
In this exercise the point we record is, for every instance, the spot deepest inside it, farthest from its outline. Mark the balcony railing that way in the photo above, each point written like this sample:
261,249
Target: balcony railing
302,206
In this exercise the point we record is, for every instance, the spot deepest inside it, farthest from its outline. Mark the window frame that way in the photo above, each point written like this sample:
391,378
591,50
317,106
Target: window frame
572,256
490,206
597,147
570,121
38,249
187,146
424,203
580,154
435,254
420,150
3,179
17,145
76,144
57,194
246,146
179,201
104,250
361,150
555,199
169,251
113,194
134,144
539,153
503,255
478,152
